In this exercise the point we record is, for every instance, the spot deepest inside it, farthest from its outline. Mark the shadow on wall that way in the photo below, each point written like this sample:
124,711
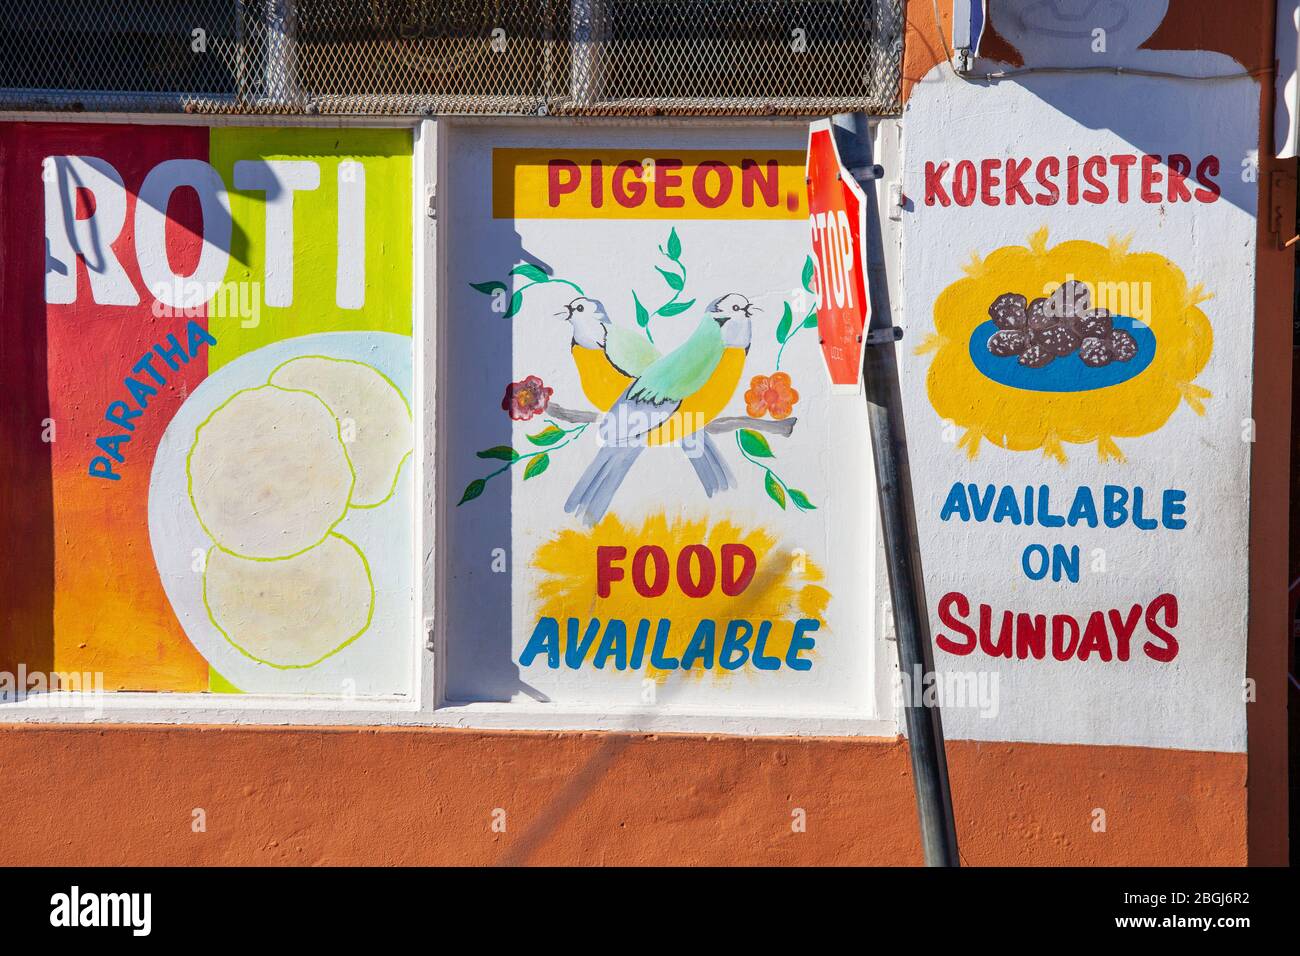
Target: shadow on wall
26,491
1065,37
480,664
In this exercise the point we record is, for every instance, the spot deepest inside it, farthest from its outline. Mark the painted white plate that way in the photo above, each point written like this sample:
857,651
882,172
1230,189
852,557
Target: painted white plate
379,661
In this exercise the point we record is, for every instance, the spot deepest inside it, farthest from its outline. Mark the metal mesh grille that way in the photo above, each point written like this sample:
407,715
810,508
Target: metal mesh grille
521,57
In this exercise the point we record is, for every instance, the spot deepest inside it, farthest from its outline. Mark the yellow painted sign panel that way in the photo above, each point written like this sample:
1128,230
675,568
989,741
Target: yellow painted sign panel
631,184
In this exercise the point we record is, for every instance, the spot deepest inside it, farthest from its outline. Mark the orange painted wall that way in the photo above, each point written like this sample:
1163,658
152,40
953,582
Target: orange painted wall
105,796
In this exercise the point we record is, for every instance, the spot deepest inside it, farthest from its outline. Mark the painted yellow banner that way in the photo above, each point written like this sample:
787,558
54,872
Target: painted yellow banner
659,184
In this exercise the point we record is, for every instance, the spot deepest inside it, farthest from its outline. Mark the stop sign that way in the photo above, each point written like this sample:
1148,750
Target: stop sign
837,219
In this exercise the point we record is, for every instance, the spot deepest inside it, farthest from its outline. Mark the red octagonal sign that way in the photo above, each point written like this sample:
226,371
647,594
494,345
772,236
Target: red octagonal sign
837,218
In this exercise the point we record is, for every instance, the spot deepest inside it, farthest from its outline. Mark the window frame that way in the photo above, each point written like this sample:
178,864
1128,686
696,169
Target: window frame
425,705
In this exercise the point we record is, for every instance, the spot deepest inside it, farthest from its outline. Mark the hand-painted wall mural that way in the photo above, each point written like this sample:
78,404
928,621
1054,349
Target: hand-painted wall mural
649,489
227,315
1079,292
643,399
1085,360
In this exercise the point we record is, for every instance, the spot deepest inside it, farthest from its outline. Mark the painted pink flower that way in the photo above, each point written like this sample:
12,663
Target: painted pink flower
525,399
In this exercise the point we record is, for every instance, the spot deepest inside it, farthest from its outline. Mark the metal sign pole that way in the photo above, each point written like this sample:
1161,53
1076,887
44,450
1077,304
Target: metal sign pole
898,519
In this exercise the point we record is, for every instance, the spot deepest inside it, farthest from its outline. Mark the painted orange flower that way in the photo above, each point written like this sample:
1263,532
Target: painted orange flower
770,394
525,399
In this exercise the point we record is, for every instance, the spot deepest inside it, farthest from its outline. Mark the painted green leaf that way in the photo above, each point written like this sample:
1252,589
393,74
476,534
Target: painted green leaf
676,308
774,490
801,500
642,316
472,491
808,273
754,444
674,281
530,271
810,320
536,466
674,245
516,303
783,327
500,452
488,288
549,436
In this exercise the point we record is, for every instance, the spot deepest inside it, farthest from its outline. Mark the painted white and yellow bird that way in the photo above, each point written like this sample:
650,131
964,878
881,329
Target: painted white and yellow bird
671,400
609,358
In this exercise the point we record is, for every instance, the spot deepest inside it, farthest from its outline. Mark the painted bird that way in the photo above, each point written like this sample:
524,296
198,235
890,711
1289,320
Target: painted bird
672,400
609,358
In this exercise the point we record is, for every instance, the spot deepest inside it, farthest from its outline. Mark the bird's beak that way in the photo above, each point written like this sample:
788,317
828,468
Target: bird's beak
564,314
748,307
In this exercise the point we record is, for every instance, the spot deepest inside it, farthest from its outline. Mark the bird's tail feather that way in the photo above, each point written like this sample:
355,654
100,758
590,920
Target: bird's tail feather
708,463
592,494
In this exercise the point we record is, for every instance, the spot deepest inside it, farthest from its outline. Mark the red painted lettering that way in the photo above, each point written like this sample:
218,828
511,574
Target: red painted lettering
667,178
934,191
628,196
650,552
1179,169
1015,172
955,600
562,176
751,178
606,573
735,581
1150,179
700,184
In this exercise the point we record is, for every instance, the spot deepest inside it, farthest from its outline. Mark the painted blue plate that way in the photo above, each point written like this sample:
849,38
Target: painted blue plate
1065,374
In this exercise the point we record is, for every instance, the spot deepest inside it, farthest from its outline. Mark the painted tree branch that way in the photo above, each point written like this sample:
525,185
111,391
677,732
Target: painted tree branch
574,416
717,426
783,427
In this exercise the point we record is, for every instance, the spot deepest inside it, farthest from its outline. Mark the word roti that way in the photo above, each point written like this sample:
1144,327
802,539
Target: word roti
99,188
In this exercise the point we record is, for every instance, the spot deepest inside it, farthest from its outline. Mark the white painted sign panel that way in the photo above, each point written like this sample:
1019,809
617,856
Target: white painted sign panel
1079,298
652,500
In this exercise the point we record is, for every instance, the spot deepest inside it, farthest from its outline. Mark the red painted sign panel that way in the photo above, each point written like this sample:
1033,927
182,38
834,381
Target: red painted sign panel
837,220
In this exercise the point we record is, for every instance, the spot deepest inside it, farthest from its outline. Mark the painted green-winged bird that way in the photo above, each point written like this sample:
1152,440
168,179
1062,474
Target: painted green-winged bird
609,358
671,401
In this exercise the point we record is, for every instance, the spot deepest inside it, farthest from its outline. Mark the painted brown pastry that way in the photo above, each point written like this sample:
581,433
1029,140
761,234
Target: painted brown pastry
1095,323
1036,356
1039,318
1059,339
1070,299
1008,311
1057,325
1007,342
1095,352
1122,345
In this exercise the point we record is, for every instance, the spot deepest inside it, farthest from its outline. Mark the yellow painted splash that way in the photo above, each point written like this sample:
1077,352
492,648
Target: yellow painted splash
783,590
1020,420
